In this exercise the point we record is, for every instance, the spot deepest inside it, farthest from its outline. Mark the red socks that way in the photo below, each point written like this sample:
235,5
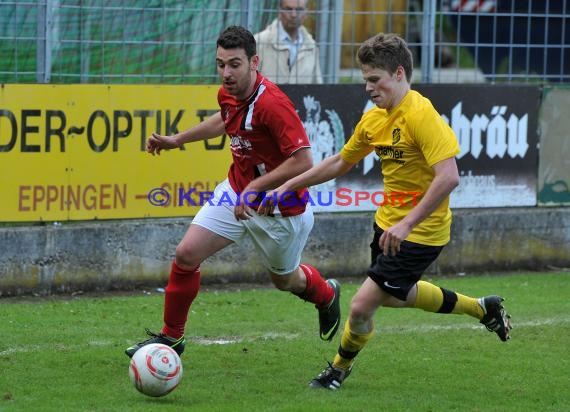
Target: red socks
318,291
183,286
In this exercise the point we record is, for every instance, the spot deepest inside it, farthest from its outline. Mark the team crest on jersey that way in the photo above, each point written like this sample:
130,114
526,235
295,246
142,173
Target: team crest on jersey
395,136
240,144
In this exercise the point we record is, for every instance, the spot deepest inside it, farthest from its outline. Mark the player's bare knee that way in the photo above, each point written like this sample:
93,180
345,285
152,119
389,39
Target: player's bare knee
184,258
359,313
286,283
282,283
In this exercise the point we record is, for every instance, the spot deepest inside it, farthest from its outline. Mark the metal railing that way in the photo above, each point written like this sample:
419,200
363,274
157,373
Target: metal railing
172,41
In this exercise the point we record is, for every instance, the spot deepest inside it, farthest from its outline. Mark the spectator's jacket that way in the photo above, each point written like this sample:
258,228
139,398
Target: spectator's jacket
274,58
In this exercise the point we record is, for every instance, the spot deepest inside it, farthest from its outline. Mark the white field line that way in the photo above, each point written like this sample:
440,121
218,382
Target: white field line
228,340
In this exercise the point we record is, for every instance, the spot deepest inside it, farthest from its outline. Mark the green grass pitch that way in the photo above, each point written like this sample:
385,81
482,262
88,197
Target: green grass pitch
255,349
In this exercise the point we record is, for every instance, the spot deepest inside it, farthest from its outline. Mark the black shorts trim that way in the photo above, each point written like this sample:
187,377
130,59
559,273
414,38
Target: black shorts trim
397,274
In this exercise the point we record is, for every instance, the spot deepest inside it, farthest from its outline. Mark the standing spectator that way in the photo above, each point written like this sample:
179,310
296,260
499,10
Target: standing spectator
287,51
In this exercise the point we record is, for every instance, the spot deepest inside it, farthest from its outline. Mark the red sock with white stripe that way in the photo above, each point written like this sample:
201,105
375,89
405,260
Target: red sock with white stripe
183,286
318,291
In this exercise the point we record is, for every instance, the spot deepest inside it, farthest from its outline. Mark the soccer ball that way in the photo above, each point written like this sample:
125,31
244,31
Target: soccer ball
155,369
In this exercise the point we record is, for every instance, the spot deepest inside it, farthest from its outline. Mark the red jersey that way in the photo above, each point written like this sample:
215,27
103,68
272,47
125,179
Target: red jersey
264,131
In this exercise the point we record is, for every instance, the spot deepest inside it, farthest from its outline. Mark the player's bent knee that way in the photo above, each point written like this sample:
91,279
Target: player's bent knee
281,283
185,260
359,313
286,283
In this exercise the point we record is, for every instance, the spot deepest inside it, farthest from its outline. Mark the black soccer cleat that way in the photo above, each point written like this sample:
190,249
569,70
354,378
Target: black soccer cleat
330,378
329,317
177,345
496,318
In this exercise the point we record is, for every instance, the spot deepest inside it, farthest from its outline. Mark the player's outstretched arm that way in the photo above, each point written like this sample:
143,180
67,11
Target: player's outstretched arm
156,143
330,168
213,126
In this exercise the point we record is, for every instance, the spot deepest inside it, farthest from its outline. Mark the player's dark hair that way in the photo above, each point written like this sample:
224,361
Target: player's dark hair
386,51
238,37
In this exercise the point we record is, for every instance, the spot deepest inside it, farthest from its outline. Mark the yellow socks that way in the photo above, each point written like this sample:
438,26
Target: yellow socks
432,298
350,344
429,297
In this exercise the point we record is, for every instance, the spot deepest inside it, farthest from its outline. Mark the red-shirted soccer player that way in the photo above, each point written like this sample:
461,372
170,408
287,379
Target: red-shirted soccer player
269,146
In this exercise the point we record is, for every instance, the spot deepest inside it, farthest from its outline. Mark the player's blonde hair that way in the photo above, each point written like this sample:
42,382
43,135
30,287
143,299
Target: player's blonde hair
386,51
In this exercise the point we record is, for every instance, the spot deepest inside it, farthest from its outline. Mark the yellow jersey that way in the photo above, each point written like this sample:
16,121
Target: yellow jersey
409,139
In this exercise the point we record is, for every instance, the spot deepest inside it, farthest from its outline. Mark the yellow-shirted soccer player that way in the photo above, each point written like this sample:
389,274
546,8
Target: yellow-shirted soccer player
417,150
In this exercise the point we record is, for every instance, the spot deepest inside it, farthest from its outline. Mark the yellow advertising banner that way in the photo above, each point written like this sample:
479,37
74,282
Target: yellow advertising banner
76,152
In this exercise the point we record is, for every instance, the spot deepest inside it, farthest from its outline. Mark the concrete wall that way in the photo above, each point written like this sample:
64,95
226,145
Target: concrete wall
111,255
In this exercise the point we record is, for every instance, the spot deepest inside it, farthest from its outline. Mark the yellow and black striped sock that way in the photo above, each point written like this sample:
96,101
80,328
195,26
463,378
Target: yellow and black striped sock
350,344
432,298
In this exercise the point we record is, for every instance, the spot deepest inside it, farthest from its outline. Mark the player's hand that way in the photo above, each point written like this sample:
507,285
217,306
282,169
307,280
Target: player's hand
268,204
156,143
392,238
272,198
242,210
